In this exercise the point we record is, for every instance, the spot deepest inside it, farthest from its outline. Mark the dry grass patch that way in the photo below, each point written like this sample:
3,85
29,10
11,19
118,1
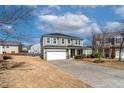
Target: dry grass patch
26,71
107,62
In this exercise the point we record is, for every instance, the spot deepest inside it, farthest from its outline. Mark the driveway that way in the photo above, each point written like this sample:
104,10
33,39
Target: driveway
96,76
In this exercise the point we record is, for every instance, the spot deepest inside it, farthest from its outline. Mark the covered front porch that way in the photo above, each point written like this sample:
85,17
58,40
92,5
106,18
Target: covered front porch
71,52
74,52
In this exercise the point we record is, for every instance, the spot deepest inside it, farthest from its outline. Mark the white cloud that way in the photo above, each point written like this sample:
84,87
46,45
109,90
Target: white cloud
113,26
120,10
55,6
49,9
66,22
84,6
76,24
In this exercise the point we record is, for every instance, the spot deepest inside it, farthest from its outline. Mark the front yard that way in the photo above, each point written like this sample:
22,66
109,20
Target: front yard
113,63
27,72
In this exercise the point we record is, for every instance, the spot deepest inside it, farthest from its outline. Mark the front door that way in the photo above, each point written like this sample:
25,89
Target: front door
72,52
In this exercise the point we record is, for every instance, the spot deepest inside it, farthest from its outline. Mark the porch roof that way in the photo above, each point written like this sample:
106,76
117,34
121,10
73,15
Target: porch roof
65,47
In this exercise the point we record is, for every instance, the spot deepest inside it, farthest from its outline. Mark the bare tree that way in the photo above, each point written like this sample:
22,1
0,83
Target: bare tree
121,46
10,17
99,46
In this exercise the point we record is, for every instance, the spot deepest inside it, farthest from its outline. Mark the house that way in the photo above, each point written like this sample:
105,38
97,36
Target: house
60,46
108,43
87,50
1,50
35,49
10,48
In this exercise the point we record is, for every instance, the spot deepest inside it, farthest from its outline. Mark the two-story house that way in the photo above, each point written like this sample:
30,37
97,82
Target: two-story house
108,43
10,48
60,46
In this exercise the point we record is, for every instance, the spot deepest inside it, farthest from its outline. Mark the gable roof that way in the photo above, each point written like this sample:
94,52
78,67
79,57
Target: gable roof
62,35
10,43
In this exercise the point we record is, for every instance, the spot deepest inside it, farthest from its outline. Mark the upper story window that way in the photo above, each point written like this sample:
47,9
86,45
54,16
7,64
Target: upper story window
62,41
79,42
48,40
54,40
76,42
69,41
118,40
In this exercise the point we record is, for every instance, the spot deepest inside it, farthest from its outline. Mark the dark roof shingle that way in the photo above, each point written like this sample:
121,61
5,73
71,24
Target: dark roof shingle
62,35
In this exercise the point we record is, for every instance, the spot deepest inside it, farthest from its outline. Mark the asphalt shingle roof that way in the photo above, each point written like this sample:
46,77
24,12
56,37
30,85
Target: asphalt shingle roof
62,35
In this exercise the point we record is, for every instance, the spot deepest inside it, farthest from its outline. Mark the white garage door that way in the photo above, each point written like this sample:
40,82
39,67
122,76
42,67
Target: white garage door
117,54
56,55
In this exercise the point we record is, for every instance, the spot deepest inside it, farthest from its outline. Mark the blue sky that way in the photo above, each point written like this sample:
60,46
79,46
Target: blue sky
73,20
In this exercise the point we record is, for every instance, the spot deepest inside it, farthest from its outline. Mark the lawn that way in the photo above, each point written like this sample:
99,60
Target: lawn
113,63
33,72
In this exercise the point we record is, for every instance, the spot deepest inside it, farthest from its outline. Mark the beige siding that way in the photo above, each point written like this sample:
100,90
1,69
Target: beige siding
11,49
59,41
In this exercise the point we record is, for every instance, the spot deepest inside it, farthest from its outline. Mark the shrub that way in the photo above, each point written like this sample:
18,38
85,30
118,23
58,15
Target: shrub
98,61
94,55
80,57
113,53
7,57
77,57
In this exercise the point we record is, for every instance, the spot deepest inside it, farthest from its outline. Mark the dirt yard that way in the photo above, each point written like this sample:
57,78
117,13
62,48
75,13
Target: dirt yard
32,72
113,63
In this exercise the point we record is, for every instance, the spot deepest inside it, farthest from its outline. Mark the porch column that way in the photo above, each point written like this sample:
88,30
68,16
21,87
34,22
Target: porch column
75,52
110,52
69,53
103,52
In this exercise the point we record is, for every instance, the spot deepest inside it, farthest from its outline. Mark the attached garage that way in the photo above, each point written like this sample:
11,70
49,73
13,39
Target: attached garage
117,54
55,54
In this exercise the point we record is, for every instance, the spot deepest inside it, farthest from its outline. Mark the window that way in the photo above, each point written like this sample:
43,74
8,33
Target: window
76,42
48,40
7,46
118,40
68,41
13,52
79,42
3,47
54,40
79,52
62,41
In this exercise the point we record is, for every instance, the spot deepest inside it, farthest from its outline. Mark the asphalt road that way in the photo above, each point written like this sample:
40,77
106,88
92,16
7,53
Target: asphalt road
96,76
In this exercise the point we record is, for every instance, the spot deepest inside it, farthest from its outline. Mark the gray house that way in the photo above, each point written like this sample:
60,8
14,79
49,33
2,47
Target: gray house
60,46
109,44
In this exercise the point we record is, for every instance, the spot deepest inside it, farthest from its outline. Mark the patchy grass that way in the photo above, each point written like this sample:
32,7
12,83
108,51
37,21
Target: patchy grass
32,72
107,62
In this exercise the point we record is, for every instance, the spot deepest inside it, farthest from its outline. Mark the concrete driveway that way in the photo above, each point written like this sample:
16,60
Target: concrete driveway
96,76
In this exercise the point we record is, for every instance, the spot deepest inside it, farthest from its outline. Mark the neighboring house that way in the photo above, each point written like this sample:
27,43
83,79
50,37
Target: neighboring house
1,47
60,46
10,48
35,49
1,51
24,49
109,43
87,51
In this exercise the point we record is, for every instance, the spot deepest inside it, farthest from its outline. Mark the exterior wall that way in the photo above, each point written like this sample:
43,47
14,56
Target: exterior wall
11,49
117,54
1,51
59,42
36,49
45,52
87,51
